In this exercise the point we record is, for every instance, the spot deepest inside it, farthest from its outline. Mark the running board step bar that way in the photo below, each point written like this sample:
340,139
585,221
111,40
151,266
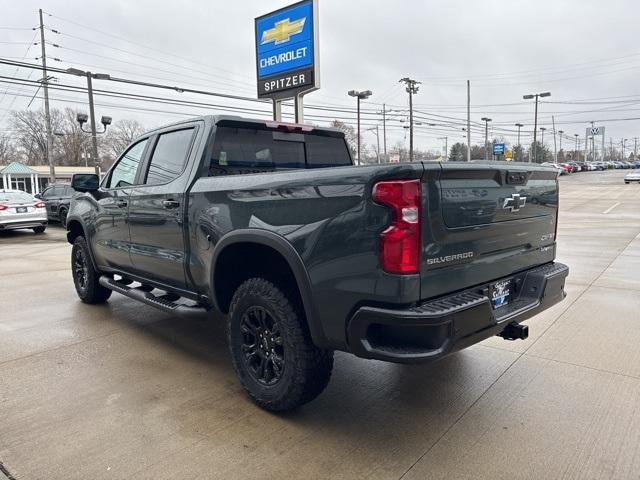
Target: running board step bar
143,294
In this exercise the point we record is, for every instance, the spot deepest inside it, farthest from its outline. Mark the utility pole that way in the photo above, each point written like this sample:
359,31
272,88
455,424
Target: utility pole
593,144
412,89
384,130
446,147
624,142
576,149
47,113
635,148
486,138
555,144
377,141
542,129
611,148
468,121
561,132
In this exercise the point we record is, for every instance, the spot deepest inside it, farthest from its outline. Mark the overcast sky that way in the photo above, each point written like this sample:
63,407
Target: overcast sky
584,52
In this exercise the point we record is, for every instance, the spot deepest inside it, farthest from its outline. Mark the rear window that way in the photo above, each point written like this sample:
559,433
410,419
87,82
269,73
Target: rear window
246,150
15,197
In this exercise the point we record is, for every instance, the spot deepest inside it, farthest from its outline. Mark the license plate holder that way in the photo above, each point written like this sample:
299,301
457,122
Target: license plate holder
500,293
21,210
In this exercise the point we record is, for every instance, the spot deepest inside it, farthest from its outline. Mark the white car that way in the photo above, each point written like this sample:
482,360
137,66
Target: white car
561,171
632,177
21,210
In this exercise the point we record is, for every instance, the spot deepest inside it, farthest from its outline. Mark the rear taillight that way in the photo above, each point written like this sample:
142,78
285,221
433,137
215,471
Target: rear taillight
4,207
400,243
40,205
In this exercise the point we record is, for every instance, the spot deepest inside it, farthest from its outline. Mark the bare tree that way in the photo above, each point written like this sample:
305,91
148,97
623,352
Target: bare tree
8,151
30,133
350,135
119,136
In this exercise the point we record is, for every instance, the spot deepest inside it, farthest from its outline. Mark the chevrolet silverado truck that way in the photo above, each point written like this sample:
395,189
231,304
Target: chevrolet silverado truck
272,225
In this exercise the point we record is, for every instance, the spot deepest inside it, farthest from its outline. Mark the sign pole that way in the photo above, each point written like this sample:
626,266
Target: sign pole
299,108
277,110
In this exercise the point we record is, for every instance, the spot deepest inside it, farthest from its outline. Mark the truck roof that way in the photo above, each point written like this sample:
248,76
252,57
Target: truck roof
216,119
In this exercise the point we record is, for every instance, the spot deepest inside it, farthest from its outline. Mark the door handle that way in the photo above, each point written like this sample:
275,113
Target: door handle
121,203
170,204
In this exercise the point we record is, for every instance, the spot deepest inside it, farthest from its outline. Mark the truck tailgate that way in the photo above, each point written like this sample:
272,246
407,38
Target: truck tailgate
485,221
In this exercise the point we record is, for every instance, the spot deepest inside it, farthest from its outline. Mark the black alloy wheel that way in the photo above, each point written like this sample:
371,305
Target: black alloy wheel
262,345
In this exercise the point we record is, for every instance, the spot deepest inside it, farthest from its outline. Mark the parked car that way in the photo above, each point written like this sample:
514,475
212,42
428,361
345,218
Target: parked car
632,177
273,225
567,167
57,198
561,170
19,209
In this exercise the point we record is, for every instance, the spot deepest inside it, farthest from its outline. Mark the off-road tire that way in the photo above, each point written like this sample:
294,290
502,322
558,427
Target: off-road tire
306,368
39,229
85,277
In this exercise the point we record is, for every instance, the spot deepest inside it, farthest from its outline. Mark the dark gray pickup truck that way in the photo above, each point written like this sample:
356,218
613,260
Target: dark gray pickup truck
272,225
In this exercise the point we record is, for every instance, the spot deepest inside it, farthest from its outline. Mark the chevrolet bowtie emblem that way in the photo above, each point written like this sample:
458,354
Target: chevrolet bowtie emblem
282,31
514,203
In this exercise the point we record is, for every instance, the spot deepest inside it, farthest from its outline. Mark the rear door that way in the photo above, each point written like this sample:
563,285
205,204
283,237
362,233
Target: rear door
485,221
157,208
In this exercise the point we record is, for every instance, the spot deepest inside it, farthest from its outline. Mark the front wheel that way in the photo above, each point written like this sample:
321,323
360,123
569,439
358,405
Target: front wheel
85,277
271,348
39,229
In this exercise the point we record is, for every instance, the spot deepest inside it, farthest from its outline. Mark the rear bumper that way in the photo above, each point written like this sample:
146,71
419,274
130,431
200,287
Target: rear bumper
23,223
444,325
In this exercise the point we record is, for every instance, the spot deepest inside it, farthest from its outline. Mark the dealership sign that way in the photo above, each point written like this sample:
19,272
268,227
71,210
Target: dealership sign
286,55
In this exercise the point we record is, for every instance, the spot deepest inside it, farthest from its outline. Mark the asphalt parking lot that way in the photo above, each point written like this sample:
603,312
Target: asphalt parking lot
125,391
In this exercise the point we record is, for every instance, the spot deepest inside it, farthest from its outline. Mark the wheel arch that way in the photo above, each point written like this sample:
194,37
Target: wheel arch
272,250
75,229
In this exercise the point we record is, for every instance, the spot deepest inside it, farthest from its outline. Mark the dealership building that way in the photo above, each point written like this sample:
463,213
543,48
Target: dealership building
35,178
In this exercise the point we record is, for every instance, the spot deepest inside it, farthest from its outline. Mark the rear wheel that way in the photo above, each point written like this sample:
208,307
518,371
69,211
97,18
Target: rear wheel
85,277
271,348
39,229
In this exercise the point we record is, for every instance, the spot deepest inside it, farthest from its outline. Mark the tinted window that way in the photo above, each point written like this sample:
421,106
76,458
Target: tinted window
245,150
48,193
124,173
169,156
326,152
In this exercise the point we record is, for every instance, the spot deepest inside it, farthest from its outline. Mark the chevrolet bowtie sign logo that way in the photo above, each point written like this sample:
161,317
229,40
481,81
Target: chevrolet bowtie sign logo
514,203
282,31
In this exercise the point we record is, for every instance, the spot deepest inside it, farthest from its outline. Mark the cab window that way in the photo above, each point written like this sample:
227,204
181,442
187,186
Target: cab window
124,173
169,156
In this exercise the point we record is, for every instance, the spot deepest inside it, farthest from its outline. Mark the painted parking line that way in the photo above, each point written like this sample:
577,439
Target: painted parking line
612,207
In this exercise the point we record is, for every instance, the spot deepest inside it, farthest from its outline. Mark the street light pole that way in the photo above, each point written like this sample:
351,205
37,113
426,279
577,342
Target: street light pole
94,134
486,138
535,120
94,137
359,96
519,125
412,88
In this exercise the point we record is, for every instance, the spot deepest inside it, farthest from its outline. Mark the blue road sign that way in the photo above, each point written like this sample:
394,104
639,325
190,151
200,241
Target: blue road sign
285,50
498,149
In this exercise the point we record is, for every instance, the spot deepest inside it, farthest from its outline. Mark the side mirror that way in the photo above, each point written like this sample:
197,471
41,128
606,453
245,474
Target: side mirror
85,182
38,196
